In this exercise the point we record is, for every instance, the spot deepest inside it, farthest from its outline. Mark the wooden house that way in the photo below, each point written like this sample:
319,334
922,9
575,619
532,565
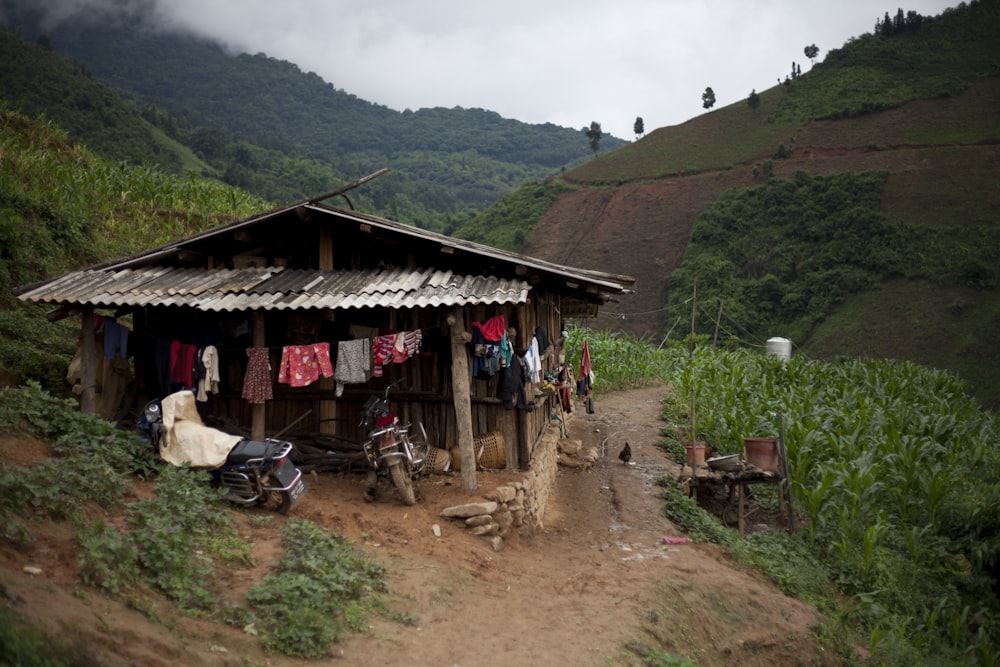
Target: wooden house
311,273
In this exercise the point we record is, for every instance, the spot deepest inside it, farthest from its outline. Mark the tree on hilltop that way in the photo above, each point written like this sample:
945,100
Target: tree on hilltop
708,98
639,127
753,100
811,52
594,135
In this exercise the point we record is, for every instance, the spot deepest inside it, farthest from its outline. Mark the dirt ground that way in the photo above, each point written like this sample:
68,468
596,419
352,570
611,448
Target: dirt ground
592,587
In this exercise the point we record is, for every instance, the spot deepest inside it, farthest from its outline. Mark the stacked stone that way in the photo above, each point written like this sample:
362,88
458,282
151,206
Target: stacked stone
520,504
574,455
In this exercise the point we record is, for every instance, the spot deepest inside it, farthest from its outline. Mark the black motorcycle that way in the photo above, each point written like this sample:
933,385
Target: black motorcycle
254,472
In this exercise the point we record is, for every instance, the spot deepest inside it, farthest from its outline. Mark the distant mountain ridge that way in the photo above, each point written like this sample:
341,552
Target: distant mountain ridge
448,161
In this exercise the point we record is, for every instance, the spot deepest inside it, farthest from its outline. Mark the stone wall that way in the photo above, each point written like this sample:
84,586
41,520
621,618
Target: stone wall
518,506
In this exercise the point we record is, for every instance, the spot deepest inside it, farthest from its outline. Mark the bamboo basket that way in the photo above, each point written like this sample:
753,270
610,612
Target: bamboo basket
491,454
437,460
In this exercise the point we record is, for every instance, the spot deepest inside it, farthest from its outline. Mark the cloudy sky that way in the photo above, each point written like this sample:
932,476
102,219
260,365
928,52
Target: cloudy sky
559,61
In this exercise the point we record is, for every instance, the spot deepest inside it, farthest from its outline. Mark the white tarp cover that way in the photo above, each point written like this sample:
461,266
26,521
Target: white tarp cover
188,440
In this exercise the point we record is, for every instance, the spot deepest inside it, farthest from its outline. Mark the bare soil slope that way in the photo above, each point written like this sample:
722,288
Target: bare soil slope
624,220
592,587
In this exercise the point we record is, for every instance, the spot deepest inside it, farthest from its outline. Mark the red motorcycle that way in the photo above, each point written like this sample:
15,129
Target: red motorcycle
389,449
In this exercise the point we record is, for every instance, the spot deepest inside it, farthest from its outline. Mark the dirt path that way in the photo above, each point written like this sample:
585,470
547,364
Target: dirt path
591,588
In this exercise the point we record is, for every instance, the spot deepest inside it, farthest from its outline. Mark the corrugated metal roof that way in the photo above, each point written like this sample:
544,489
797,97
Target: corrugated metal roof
275,288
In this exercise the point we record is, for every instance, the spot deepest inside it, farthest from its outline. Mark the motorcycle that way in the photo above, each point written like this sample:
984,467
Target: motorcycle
254,472
389,449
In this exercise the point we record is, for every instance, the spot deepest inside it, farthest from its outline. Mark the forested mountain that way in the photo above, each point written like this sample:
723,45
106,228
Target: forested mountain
265,125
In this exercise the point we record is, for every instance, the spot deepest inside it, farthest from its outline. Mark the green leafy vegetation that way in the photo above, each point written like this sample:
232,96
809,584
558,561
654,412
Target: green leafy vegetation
40,82
875,71
895,472
24,645
506,224
320,588
780,256
169,543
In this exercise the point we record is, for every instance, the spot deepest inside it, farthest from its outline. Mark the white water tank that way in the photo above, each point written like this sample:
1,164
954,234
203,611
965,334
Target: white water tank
780,347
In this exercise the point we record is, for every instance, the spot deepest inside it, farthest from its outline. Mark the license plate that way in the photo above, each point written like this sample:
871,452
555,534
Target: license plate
285,473
297,490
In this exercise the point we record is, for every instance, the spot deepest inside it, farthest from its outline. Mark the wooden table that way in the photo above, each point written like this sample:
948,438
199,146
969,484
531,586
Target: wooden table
735,481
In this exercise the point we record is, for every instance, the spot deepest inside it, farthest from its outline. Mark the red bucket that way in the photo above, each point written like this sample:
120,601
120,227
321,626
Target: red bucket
695,453
762,453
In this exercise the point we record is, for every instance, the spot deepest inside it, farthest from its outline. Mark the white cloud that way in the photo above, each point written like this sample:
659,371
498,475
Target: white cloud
556,61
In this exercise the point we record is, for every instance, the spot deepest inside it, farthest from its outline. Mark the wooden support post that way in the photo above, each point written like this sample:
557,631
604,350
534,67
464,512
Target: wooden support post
259,410
524,437
88,366
462,397
325,249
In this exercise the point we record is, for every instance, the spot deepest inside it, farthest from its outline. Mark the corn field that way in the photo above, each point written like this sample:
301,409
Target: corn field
894,468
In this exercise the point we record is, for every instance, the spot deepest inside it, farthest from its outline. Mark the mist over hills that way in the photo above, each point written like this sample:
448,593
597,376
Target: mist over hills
238,110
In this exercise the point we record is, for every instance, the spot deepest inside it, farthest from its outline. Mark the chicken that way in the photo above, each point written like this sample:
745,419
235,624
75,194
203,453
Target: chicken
626,454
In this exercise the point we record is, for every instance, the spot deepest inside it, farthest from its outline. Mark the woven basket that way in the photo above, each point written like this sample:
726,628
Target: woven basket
491,454
437,460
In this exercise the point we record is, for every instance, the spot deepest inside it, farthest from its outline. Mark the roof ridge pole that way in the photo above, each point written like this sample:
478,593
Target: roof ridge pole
462,397
350,186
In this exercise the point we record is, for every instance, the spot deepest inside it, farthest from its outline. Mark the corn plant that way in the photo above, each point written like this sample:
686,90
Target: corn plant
894,467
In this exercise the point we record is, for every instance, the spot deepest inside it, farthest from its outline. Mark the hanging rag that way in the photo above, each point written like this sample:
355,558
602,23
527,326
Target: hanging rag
382,352
543,341
533,361
257,381
511,387
412,342
352,363
301,365
182,363
115,339
209,382
492,329
585,380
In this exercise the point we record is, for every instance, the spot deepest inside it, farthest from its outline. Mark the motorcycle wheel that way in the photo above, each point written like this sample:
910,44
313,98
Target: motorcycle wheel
401,480
279,501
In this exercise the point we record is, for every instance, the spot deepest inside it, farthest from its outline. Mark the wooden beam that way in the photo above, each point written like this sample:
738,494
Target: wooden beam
461,393
88,367
350,186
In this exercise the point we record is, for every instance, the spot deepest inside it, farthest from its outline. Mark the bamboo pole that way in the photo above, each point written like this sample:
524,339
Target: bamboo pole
786,483
694,301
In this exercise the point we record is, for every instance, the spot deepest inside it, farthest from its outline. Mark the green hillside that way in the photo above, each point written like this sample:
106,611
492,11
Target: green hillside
853,211
35,80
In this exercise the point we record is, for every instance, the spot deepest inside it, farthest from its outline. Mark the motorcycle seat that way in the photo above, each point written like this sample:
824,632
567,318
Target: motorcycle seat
246,450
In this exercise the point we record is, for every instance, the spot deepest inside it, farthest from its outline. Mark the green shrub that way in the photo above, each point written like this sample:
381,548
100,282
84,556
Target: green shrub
315,591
